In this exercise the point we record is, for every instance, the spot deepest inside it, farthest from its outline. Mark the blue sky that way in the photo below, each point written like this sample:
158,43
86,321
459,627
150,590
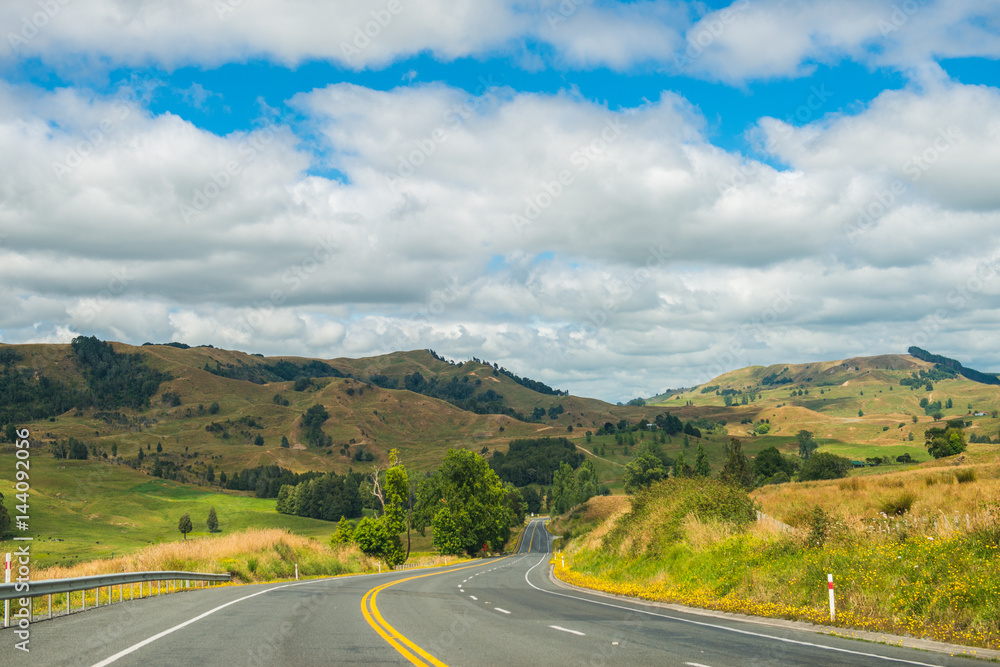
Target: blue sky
614,198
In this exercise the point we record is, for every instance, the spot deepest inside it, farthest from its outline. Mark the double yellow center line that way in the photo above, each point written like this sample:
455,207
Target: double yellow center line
393,637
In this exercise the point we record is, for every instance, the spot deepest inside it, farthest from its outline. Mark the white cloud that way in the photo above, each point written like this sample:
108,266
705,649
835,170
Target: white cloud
659,259
742,42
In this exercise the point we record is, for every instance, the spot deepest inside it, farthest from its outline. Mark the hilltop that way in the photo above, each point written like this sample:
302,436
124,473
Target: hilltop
852,406
233,410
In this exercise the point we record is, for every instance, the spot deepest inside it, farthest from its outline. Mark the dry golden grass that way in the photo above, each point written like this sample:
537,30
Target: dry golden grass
935,492
221,554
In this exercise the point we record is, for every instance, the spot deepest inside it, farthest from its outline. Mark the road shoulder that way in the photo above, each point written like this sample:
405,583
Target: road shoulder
874,637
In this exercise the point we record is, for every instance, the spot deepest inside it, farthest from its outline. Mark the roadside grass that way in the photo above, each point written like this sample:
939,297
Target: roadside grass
932,577
251,556
935,487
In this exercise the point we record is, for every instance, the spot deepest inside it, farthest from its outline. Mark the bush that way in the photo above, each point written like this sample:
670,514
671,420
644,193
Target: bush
824,466
898,506
965,476
657,516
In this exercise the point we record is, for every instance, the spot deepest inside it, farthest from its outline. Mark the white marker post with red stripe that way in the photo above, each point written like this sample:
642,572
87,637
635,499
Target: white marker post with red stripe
829,580
6,603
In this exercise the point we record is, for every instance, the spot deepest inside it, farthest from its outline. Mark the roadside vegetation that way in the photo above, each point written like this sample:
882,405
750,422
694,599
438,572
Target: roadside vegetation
252,555
913,552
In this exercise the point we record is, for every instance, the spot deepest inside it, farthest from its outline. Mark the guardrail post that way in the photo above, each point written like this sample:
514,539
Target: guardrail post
50,605
83,599
121,594
69,603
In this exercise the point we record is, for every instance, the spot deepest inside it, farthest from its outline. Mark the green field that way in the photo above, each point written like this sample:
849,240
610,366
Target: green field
81,510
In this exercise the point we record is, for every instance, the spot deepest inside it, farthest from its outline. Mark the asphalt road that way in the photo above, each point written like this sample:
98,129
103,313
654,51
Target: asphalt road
502,611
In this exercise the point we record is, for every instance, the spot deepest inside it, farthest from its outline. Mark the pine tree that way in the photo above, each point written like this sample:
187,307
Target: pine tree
679,466
213,521
701,466
185,525
738,470
344,533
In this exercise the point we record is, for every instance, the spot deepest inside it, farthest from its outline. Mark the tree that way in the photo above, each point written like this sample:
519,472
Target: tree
259,440
770,461
4,520
312,422
210,474
213,408
941,442
159,447
701,465
564,492
806,443
825,466
185,525
10,433
284,442
379,536
464,502
532,499
644,469
737,471
344,533
213,521
682,469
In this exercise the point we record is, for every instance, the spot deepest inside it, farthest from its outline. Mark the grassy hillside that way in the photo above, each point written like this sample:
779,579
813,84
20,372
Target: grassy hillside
912,552
854,407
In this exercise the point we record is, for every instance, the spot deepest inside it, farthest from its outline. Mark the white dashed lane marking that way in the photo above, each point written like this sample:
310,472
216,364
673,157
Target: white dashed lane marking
572,632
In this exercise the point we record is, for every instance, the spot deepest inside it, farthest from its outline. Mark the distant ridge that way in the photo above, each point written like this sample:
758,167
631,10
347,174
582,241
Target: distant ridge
974,375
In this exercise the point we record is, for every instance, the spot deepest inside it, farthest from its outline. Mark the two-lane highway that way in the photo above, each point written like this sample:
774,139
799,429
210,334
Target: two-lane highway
504,611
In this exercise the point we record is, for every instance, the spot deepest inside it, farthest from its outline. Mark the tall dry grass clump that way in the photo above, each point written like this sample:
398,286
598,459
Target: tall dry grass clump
256,554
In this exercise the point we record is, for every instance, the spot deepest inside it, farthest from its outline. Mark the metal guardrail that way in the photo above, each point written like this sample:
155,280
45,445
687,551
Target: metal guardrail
71,585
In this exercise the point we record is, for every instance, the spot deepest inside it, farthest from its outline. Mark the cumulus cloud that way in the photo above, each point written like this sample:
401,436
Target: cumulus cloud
742,42
611,251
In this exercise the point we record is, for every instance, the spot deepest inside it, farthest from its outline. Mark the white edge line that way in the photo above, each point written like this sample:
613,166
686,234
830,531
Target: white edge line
723,627
150,640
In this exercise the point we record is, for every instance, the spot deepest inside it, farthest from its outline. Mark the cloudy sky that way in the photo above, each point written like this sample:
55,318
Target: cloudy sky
611,197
